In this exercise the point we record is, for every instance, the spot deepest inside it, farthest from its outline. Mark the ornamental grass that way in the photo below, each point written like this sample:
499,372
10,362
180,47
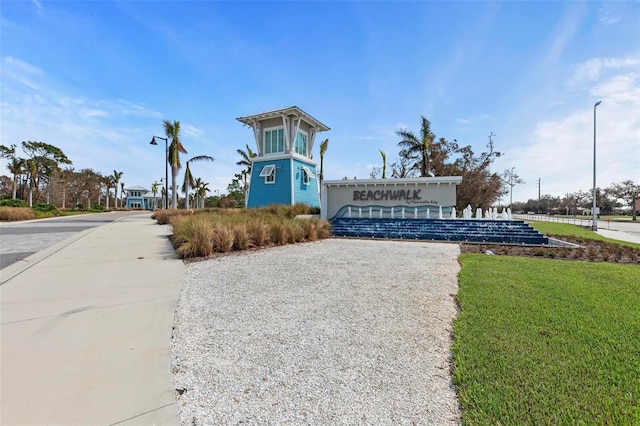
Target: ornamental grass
208,231
12,214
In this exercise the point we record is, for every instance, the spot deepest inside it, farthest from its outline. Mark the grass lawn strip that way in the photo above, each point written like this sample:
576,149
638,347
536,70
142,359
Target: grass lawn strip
542,341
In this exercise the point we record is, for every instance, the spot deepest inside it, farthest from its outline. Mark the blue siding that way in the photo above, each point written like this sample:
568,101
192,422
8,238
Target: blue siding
261,194
144,203
307,194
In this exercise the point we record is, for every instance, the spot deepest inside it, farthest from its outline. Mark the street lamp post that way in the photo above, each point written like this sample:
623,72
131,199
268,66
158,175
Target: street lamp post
594,226
166,167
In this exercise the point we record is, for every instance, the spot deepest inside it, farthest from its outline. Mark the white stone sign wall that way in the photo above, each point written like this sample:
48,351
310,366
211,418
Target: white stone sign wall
376,197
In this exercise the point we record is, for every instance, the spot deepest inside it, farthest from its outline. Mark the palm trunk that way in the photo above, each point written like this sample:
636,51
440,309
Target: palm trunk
186,194
174,192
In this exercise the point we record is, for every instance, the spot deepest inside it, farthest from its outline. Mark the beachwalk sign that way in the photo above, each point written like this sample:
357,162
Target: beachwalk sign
407,198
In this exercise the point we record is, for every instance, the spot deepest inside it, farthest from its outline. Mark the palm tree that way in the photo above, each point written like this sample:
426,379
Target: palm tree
116,179
201,191
246,157
384,164
172,130
418,148
109,182
121,192
16,168
32,171
154,191
323,149
188,177
65,177
246,161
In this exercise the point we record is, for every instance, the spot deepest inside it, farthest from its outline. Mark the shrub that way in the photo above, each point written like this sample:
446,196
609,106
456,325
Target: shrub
44,207
13,214
97,207
79,206
227,202
13,203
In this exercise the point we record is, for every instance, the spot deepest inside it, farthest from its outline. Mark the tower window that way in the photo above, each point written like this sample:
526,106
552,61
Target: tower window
268,173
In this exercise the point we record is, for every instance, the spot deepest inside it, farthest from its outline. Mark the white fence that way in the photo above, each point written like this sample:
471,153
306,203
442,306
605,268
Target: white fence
574,220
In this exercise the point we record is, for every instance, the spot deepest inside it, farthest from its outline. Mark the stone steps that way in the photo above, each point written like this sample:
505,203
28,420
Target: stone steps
458,230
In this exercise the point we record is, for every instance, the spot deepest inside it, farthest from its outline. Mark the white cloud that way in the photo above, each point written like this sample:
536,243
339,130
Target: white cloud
560,151
591,70
191,130
607,17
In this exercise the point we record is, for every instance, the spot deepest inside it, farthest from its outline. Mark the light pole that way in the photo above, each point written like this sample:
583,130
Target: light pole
594,227
166,167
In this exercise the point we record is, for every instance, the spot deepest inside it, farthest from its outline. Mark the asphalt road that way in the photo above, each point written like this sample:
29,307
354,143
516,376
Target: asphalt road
19,240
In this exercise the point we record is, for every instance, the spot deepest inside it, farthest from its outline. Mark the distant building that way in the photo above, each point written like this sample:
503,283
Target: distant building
138,197
283,171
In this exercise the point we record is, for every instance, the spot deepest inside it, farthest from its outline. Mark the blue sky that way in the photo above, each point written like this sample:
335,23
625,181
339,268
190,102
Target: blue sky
97,78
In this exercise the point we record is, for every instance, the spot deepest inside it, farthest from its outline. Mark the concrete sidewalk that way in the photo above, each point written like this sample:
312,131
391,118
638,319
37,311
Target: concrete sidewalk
86,329
619,235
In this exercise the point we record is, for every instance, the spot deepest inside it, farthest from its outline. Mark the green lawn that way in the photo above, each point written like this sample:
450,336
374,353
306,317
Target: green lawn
557,228
541,341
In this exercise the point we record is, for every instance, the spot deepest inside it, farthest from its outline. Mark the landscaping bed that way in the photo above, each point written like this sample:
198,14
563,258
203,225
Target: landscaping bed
587,250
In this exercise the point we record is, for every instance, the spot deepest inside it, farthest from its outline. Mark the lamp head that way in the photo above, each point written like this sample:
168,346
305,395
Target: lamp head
597,103
153,141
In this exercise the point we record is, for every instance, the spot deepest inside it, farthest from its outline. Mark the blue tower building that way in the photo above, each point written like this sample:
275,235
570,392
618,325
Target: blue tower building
283,171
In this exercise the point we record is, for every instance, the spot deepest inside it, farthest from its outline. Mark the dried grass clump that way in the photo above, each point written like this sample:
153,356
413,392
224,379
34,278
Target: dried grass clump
323,229
223,240
224,230
12,214
193,235
241,237
278,233
258,233
164,216
309,227
295,232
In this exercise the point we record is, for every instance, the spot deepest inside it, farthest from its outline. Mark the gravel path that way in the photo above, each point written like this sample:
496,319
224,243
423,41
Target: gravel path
333,332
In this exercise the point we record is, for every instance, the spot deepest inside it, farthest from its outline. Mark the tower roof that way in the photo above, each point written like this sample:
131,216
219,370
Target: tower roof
290,111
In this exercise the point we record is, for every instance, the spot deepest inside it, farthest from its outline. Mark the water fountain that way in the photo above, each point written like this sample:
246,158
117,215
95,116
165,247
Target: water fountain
359,212
439,212
370,212
349,212
415,212
393,216
453,212
428,213
403,212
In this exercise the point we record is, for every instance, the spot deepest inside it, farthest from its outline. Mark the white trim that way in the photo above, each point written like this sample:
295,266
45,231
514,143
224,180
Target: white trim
310,175
287,138
267,170
293,147
451,180
292,172
264,134
292,110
